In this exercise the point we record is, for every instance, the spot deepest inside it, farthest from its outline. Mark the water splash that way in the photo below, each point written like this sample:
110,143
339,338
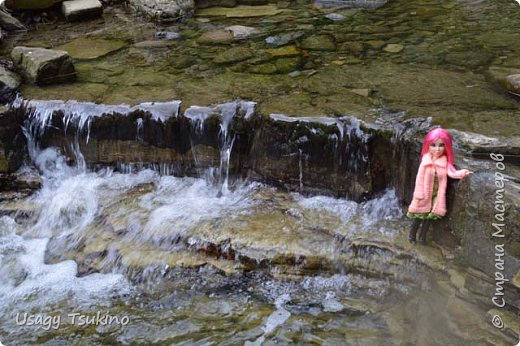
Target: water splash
25,281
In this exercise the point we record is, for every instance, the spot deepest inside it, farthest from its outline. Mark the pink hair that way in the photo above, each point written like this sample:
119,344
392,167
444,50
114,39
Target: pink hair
434,135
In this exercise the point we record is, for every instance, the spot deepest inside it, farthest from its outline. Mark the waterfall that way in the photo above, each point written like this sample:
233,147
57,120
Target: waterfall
43,116
226,114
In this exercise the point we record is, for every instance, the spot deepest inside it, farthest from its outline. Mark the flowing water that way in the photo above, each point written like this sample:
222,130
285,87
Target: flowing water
138,256
133,254
422,57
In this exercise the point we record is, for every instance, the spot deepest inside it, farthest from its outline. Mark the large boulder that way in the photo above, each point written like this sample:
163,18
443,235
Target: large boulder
76,10
30,4
43,66
9,23
164,10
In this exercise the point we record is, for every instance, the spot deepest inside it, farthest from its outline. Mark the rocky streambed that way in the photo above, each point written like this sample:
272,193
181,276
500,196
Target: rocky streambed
267,206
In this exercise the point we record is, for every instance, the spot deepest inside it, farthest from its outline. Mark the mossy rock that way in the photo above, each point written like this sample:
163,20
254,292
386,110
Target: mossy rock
240,11
234,54
319,42
267,68
286,65
181,62
283,51
216,37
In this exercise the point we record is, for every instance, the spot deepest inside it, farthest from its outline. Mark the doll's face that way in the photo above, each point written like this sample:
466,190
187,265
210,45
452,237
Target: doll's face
437,148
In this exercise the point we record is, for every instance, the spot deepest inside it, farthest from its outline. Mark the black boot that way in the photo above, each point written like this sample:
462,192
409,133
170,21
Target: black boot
413,231
424,229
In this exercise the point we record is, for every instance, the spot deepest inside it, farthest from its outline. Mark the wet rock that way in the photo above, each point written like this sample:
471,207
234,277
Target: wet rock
393,48
498,75
12,143
253,2
291,50
286,65
76,10
473,58
91,47
362,92
234,54
429,12
240,11
284,39
4,165
183,62
482,146
352,48
217,3
508,320
44,66
241,31
335,17
267,68
9,23
164,10
349,3
465,316
319,42
376,44
469,219
154,44
513,83
216,37
24,182
167,35
9,83
30,4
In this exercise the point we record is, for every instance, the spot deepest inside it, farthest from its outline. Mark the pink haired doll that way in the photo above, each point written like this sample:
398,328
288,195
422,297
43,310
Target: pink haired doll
429,196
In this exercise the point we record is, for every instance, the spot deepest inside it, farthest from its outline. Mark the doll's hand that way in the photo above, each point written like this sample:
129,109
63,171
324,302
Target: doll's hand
467,172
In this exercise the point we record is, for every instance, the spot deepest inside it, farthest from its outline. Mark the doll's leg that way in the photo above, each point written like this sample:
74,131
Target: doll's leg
424,229
413,231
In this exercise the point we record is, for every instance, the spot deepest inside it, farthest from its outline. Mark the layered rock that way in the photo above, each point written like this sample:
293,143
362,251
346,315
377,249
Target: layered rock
11,140
44,66
9,83
9,23
334,156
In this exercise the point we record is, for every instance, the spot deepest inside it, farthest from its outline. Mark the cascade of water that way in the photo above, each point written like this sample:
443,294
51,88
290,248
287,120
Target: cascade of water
140,130
226,113
300,164
357,153
79,116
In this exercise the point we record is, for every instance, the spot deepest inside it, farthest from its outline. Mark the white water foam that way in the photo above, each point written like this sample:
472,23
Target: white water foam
179,204
27,283
360,217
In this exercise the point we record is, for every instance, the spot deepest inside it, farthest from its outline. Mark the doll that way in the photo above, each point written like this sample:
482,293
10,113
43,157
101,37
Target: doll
429,196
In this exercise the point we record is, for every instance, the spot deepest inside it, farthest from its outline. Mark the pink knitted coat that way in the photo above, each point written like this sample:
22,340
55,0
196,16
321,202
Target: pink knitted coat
422,195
